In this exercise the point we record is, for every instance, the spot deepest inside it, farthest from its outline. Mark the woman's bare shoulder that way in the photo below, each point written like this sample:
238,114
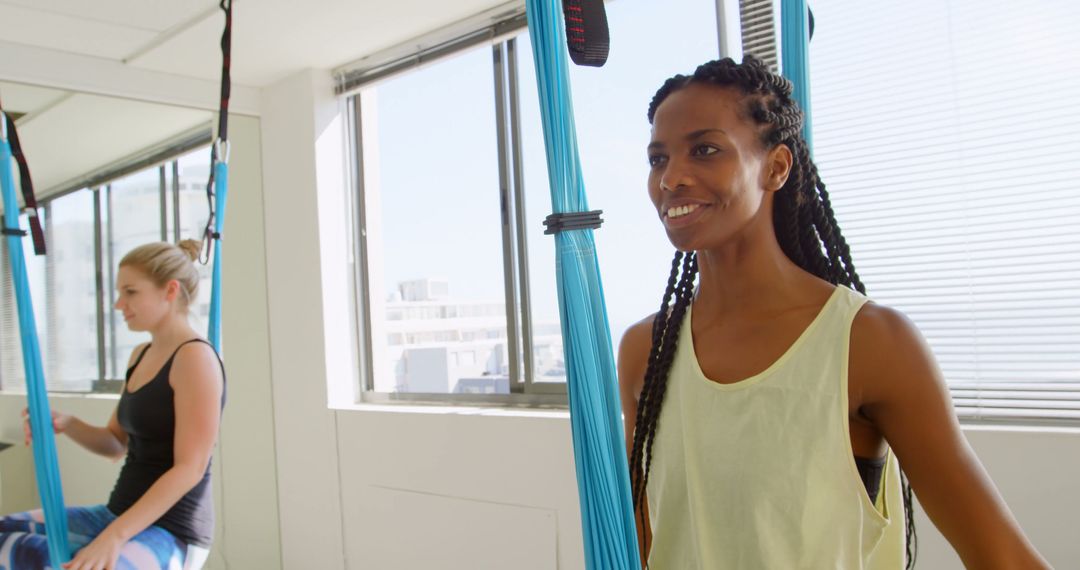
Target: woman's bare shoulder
890,359
634,353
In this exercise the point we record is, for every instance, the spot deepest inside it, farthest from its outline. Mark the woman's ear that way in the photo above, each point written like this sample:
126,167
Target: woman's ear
777,167
172,290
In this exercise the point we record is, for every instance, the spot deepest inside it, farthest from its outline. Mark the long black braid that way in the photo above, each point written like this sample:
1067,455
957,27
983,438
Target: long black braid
805,228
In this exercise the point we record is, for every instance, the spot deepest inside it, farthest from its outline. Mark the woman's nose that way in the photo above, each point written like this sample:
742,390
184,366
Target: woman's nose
674,177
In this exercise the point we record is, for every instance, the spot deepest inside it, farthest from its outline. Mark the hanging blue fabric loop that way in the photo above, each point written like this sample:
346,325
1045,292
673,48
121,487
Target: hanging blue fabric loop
221,188
218,186
46,466
795,57
607,518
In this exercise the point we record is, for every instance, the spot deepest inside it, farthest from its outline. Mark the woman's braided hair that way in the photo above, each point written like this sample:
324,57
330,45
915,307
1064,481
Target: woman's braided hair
805,228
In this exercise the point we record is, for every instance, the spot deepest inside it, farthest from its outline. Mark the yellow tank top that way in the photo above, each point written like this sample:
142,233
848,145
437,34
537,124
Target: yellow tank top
760,474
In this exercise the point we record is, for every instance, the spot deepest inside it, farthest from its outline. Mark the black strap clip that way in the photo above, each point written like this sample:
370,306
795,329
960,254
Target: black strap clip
570,221
13,232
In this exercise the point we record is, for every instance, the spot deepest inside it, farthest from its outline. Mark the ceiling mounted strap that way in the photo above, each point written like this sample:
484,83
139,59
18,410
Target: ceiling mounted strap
587,36
8,133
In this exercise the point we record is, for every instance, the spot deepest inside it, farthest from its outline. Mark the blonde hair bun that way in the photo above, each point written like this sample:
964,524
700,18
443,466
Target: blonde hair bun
191,247
163,262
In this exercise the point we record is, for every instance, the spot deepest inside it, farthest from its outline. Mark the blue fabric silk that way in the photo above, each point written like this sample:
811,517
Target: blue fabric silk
607,518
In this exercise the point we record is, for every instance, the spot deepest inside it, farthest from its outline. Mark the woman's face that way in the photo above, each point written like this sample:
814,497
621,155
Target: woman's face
143,304
710,177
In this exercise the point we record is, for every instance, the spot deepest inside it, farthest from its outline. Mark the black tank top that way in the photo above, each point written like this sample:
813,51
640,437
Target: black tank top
148,417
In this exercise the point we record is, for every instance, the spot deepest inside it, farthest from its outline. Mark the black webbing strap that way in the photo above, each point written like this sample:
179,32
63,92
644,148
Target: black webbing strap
226,78
221,144
29,202
587,35
565,222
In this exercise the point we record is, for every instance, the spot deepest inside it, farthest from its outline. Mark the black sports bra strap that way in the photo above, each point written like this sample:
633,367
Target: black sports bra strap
138,360
181,345
207,343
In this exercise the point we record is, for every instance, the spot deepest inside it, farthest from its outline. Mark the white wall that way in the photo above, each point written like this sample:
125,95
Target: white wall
86,478
248,525
303,486
1036,472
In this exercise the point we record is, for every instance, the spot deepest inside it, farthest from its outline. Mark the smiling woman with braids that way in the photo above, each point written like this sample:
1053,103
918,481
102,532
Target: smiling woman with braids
764,405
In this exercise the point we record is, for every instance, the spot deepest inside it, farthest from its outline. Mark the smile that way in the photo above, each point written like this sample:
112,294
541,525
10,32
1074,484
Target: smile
684,215
681,211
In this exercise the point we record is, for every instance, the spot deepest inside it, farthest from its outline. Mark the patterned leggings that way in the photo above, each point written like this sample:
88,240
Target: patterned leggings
23,545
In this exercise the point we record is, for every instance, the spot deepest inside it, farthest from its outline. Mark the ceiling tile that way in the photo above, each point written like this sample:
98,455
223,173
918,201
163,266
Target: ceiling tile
71,34
152,15
28,99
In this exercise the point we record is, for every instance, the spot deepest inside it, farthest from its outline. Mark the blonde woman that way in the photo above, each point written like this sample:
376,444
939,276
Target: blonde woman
160,512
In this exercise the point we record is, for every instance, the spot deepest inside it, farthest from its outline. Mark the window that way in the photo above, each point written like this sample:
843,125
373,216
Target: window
133,204
435,272
944,131
456,278
191,172
69,331
610,106
12,374
85,343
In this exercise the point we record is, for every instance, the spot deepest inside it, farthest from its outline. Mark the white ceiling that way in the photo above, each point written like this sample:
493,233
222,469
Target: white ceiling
28,99
66,134
271,38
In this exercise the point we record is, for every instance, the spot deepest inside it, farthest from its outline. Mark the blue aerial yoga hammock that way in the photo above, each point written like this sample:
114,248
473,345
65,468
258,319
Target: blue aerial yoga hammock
218,185
607,518
795,28
46,467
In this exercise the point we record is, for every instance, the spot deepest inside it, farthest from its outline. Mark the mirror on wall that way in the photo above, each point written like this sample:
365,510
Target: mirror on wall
109,174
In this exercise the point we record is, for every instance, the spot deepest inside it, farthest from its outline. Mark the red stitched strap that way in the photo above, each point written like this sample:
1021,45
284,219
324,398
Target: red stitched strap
587,36
29,202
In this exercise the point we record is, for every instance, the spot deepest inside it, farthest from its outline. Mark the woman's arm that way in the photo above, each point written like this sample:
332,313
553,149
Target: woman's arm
109,441
905,396
197,384
632,361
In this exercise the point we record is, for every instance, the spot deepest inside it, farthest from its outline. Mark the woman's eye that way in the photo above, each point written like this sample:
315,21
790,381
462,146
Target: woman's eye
705,150
656,159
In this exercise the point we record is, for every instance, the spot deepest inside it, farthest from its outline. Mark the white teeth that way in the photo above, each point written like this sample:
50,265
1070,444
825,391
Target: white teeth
681,211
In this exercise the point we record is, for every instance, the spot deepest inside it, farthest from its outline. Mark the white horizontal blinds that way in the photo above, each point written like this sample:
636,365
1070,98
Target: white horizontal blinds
946,132
758,30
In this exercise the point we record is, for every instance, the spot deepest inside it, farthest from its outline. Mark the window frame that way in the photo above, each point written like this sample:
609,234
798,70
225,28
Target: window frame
499,31
524,391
